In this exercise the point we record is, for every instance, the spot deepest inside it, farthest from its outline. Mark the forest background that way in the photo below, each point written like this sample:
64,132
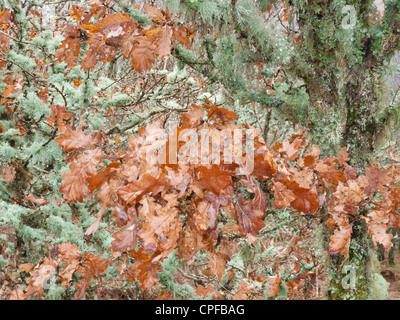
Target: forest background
89,88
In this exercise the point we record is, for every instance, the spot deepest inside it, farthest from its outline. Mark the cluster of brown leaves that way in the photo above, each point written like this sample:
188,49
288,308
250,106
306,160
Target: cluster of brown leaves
114,32
5,18
373,197
147,196
353,196
104,35
70,260
159,206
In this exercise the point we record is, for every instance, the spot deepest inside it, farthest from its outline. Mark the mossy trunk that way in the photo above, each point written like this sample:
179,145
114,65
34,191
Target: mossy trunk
362,105
349,279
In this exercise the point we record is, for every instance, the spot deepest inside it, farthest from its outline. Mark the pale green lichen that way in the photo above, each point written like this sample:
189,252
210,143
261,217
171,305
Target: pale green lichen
118,100
97,121
378,288
3,261
33,106
170,265
22,61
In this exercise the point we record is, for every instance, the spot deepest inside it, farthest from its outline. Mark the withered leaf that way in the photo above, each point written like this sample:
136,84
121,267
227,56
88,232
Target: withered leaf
40,275
379,235
74,140
142,54
217,264
193,116
243,290
311,158
377,179
343,157
340,240
70,254
89,61
283,196
9,174
205,216
154,13
203,292
146,184
103,176
213,179
144,270
124,239
291,147
26,267
264,166
74,185
95,225
39,202
274,285
250,213
161,223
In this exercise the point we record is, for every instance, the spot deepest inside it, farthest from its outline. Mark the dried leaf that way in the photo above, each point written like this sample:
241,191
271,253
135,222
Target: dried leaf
213,179
154,13
250,213
9,174
74,185
274,285
74,140
340,240
39,202
243,290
